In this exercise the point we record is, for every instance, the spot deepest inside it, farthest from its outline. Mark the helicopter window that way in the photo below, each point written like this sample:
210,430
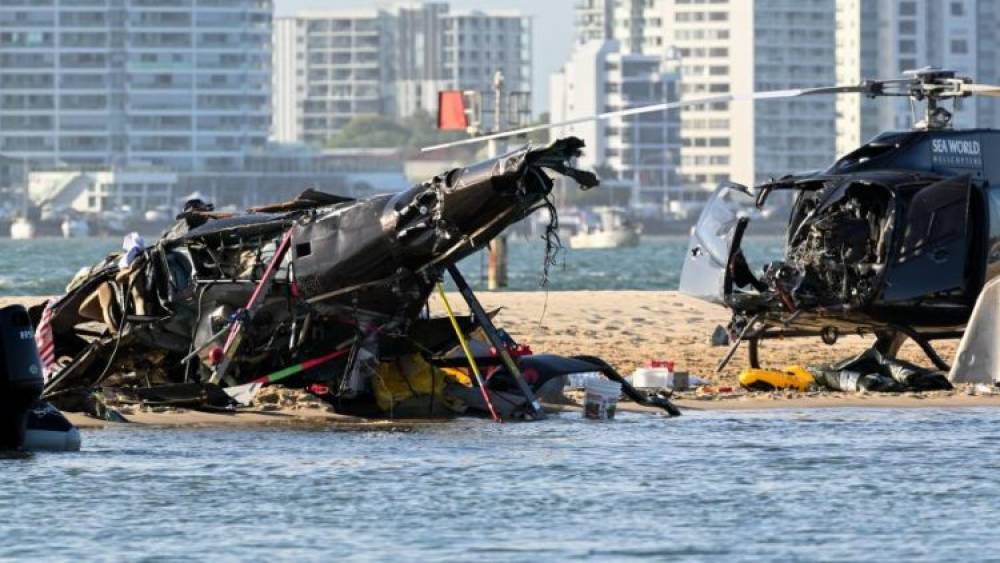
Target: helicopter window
937,214
303,249
864,154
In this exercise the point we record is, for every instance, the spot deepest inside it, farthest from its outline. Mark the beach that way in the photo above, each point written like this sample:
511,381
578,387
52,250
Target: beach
627,328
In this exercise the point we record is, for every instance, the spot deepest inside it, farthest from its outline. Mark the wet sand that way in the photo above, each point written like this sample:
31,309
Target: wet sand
628,328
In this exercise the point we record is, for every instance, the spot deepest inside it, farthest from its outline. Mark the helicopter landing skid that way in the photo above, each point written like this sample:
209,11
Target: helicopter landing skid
887,342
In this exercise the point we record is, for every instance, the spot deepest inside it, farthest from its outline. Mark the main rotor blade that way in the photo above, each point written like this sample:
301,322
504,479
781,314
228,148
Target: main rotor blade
981,89
769,95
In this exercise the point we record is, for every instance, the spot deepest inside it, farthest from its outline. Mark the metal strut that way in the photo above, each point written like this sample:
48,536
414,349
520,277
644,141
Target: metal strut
494,337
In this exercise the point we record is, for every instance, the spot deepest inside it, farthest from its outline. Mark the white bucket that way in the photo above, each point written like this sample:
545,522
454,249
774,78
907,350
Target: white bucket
652,378
601,399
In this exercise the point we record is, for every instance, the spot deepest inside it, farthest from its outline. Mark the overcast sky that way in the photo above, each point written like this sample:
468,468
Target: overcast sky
553,30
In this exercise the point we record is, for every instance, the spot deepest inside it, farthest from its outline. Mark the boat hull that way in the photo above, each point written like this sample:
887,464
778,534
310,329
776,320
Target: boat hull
604,239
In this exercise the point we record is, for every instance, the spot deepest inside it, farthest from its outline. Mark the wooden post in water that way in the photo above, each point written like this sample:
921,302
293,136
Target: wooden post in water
496,272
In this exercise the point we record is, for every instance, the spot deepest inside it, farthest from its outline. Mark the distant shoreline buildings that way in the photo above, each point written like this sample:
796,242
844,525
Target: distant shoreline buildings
334,65
642,150
883,39
242,103
183,84
111,88
736,47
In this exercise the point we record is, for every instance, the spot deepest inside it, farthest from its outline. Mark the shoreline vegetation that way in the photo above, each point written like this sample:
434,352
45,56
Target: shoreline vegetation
627,328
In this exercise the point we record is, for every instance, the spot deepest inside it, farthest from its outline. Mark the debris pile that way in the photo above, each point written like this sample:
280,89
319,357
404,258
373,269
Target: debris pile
322,292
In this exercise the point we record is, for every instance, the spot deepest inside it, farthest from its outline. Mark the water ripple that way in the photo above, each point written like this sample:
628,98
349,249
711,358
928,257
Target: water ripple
844,484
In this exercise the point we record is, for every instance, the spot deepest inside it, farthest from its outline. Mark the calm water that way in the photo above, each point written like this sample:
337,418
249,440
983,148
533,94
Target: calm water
845,485
45,266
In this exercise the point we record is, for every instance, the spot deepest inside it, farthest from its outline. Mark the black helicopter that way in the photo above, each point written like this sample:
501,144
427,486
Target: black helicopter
895,239
320,292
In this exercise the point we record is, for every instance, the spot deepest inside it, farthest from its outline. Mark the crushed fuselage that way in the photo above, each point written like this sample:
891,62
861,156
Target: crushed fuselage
232,298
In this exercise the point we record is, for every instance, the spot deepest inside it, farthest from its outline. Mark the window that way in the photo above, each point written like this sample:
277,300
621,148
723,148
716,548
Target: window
957,9
959,46
907,8
907,27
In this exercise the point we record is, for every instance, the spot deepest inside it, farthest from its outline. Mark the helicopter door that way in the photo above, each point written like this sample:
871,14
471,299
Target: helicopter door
715,242
934,248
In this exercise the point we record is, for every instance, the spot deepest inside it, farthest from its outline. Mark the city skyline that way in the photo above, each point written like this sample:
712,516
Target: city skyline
87,84
552,24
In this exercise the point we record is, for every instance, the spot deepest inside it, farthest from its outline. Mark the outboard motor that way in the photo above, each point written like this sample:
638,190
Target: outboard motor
20,375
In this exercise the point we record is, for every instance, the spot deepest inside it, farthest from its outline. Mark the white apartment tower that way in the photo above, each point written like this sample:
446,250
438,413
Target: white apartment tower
178,83
389,62
341,62
734,47
740,46
636,24
878,39
642,150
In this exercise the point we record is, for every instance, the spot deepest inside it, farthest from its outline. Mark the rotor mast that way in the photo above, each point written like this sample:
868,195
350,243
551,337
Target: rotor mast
931,86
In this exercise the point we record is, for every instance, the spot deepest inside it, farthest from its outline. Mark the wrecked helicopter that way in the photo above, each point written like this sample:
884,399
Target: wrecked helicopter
322,292
894,240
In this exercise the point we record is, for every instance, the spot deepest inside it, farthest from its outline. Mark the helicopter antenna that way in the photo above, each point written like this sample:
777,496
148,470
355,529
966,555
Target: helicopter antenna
929,85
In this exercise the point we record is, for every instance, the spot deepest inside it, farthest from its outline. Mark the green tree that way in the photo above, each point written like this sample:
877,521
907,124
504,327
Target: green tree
370,131
424,132
409,134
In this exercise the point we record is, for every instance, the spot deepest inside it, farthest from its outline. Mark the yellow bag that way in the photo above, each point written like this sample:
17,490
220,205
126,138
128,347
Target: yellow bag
411,377
791,377
405,378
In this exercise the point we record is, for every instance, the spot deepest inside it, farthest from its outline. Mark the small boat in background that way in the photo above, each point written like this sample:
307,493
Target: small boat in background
22,229
615,229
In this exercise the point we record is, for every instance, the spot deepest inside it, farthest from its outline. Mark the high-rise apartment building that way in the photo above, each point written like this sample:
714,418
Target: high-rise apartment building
419,60
390,62
641,149
619,62
733,47
342,67
636,24
179,83
879,39
738,47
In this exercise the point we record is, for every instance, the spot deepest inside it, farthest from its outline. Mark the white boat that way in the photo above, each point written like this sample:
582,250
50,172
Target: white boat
155,216
615,230
22,229
74,228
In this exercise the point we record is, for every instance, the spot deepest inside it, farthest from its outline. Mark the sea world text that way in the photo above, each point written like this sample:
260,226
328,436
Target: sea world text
956,146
